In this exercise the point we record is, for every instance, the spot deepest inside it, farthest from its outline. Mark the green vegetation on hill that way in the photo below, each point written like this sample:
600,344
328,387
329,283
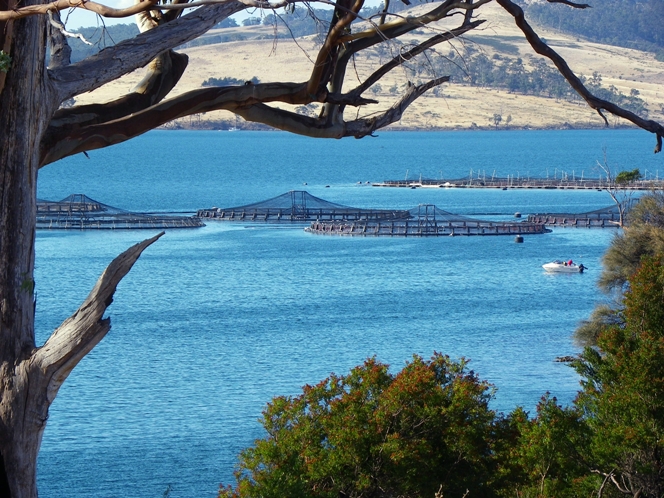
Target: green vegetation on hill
624,23
511,74
229,81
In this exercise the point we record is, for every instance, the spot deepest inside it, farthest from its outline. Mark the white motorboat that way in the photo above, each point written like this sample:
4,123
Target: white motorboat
563,267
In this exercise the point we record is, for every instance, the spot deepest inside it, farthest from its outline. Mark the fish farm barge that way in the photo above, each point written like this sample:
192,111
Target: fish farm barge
298,206
425,221
80,212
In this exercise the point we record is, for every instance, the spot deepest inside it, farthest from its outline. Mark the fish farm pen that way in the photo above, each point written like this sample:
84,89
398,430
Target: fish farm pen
298,206
427,220
602,218
511,182
80,212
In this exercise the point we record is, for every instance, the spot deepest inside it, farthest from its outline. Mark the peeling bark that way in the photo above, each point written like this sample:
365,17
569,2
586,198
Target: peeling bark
82,331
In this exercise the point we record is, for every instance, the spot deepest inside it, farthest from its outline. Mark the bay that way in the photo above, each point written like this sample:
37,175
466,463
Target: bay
213,322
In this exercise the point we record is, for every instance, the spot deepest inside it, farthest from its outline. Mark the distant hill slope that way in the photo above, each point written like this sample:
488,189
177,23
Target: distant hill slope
497,80
100,38
625,23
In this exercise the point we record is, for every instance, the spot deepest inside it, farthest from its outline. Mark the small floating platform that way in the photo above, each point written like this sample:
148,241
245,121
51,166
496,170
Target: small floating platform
426,220
79,212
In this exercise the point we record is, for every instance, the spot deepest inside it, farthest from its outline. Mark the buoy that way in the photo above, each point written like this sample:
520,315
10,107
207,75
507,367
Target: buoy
518,239
517,215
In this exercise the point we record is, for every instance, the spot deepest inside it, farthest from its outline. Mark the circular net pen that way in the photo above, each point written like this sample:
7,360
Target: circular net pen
80,212
427,220
298,206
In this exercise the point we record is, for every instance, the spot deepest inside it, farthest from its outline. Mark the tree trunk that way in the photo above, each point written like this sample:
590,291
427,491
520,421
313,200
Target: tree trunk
30,377
24,111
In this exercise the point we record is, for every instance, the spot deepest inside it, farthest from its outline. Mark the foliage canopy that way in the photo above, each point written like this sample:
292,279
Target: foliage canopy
425,429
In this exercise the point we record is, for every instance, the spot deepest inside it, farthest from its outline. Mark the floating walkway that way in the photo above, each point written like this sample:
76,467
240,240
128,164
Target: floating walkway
519,183
602,218
80,212
427,220
298,206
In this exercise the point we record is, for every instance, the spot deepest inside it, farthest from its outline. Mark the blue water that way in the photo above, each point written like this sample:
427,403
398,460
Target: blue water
213,322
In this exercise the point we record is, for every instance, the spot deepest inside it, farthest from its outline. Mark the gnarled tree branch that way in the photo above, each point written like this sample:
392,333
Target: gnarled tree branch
116,61
81,332
356,42
321,128
363,127
368,38
396,28
138,7
595,103
246,101
98,8
62,141
327,54
571,4
406,56
54,20
90,127
163,74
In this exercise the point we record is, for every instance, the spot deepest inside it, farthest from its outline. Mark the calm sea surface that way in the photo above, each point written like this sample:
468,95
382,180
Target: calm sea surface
213,322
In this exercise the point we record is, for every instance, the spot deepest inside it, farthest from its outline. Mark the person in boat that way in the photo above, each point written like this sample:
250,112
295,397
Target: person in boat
570,263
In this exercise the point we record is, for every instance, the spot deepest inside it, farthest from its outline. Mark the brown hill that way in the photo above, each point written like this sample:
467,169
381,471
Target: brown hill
457,106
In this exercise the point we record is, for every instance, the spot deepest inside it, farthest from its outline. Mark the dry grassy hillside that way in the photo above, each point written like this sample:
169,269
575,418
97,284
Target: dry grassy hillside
456,106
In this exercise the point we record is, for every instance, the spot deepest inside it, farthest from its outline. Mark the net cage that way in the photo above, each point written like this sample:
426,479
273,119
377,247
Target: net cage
298,206
428,220
601,218
78,211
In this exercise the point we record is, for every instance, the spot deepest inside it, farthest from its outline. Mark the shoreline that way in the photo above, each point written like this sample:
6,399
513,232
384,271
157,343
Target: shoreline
245,126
